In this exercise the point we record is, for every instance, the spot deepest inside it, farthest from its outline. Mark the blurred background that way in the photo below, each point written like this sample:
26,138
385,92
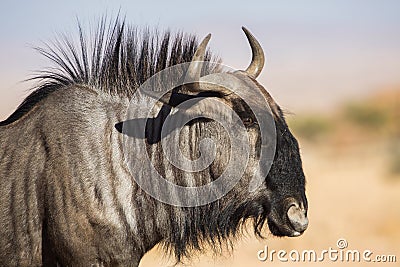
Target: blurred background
333,66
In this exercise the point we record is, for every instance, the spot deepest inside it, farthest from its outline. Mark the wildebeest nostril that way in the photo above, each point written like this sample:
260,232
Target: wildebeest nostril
297,218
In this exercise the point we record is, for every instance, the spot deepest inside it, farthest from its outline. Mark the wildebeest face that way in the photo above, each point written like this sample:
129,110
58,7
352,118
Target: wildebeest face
284,186
280,199
286,183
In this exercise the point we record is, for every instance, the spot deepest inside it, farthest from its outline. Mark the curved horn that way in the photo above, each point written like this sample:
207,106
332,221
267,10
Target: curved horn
192,74
258,59
194,70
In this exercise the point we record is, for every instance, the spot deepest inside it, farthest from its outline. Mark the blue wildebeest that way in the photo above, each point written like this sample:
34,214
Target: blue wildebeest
67,197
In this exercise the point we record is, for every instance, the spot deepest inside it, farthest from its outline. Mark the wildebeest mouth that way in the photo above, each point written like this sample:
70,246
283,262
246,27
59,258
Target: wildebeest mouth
283,230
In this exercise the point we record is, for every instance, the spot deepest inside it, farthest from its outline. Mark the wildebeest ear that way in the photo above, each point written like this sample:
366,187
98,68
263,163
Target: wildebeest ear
134,127
175,97
179,98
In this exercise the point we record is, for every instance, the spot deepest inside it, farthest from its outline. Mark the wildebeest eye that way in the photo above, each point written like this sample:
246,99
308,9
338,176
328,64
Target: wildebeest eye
248,121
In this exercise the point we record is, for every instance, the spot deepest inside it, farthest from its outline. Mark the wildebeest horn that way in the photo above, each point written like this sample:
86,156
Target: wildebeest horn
194,70
258,59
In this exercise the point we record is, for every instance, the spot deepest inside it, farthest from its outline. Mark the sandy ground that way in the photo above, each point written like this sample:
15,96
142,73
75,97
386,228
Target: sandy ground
351,196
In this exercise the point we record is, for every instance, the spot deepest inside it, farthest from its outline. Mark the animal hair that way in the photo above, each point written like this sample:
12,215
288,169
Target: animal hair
117,60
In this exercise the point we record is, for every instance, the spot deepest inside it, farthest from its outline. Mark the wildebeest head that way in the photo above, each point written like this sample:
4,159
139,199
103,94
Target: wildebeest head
280,198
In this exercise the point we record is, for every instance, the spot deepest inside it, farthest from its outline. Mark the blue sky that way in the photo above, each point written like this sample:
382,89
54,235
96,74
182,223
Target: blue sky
319,53
40,17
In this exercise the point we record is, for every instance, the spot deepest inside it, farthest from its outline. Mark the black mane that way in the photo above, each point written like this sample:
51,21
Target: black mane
116,60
